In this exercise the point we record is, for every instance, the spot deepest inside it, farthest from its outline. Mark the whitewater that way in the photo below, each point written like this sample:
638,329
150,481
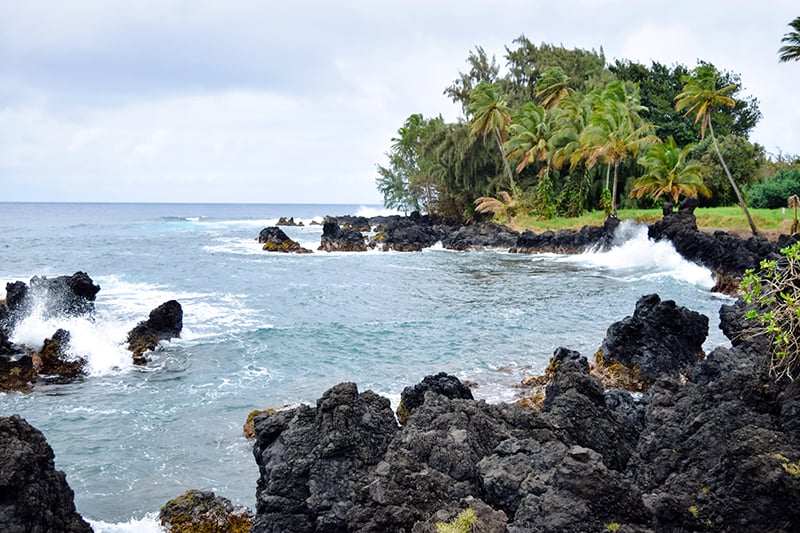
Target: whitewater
270,330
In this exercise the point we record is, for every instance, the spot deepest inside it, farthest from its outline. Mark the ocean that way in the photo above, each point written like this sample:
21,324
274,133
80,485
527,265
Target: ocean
265,330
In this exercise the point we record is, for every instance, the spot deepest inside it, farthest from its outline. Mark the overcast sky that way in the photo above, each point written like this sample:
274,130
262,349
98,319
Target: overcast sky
296,102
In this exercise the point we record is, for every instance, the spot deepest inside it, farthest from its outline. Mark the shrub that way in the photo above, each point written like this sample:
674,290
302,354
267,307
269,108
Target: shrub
772,193
774,293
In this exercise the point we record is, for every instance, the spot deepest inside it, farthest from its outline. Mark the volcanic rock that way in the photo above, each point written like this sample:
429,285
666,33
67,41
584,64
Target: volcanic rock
442,383
661,339
34,496
313,460
567,241
413,233
64,295
283,221
275,240
336,239
54,359
198,511
164,323
724,254
480,236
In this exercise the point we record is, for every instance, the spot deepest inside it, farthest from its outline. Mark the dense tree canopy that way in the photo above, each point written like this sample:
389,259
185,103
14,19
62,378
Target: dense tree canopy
561,132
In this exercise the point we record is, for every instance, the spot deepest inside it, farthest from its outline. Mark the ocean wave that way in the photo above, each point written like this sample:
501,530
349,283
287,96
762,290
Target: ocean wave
148,524
634,257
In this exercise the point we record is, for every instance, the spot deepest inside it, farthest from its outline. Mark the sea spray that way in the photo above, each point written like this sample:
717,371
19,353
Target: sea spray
634,257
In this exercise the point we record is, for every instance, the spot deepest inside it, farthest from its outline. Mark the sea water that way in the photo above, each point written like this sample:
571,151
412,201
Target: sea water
264,330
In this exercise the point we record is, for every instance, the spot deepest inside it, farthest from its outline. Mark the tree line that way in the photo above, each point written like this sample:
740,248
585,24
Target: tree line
561,132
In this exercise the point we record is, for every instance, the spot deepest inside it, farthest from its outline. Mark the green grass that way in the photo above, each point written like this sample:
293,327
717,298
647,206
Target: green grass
726,218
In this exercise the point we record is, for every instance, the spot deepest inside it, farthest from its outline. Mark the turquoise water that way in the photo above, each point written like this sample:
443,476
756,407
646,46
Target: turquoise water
264,330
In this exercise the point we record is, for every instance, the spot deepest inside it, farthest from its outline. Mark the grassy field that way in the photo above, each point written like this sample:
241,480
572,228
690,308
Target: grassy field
732,219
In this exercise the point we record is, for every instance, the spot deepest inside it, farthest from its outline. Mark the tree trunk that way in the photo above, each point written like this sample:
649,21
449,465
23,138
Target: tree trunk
608,174
614,191
733,183
505,160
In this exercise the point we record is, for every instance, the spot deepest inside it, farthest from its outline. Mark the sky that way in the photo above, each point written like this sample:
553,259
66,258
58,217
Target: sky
297,102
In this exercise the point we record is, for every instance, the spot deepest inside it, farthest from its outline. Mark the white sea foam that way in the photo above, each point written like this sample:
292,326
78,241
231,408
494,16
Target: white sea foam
148,524
364,211
99,340
635,257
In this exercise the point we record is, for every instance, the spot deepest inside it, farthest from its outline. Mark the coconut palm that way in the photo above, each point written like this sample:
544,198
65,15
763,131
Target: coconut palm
530,141
614,132
791,50
700,96
669,173
489,113
551,87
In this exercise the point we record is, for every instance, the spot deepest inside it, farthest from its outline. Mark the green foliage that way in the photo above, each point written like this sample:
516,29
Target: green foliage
460,524
774,293
668,172
791,50
774,192
743,158
605,201
407,183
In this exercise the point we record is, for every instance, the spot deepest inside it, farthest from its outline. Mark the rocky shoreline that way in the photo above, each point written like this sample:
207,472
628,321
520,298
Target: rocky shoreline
726,255
709,442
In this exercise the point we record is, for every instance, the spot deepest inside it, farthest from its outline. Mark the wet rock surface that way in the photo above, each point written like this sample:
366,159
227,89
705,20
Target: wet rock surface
275,240
203,511
713,449
722,253
164,323
336,239
34,496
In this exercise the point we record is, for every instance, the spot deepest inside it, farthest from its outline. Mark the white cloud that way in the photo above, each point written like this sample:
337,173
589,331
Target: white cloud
247,100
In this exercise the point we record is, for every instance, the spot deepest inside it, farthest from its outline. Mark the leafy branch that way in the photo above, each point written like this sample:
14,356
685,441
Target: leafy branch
774,293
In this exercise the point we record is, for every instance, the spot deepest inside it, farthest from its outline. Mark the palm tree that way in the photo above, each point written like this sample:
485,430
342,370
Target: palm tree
530,141
551,87
791,50
489,113
614,132
670,173
529,137
700,96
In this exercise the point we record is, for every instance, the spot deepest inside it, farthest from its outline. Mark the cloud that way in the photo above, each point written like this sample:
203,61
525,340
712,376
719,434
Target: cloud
246,100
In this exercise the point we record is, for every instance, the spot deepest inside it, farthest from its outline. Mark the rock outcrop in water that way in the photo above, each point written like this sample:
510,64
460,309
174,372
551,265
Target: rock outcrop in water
720,452
164,323
34,496
336,239
198,511
275,240
567,241
63,296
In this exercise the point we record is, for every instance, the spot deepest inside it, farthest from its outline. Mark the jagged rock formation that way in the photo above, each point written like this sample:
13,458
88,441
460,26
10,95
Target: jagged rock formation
480,236
34,496
283,221
660,340
64,295
726,255
198,511
275,240
720,452
164,323
21,366
336,239
567,241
